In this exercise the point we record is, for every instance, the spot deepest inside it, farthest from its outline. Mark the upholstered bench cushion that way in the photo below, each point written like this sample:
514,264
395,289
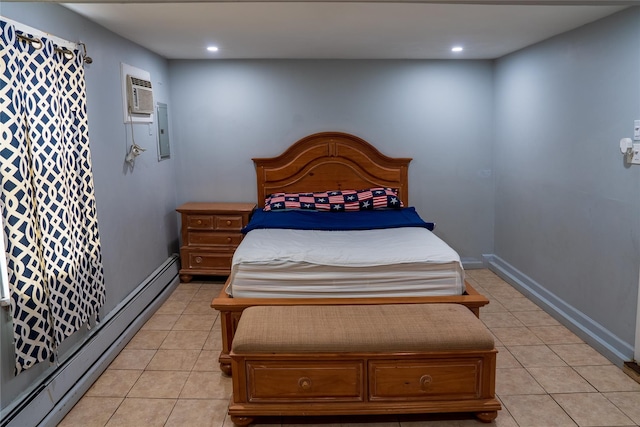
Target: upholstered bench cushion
360,328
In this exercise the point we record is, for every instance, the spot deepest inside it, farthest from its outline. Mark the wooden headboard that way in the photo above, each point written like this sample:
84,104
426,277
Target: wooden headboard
331,161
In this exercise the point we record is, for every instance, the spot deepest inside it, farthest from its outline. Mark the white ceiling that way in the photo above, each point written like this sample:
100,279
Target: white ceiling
341,29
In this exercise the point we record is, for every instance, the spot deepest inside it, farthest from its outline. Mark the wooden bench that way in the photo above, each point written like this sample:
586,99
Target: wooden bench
356,360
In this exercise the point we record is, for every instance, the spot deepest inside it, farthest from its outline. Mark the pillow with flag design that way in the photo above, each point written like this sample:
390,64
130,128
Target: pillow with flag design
336,201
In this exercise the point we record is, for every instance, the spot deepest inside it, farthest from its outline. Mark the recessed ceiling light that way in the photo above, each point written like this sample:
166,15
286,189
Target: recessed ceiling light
212,48
457,49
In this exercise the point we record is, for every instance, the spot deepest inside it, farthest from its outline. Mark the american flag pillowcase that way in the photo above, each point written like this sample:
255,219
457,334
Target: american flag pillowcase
336,201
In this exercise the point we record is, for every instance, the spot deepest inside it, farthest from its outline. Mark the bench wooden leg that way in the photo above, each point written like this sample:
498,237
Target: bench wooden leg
225,368
241,421
487,417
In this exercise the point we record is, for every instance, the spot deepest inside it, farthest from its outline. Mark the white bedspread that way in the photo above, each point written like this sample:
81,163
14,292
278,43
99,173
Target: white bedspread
360,248
284,263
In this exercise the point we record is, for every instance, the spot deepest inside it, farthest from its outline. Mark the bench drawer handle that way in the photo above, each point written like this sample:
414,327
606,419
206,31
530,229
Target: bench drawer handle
425,382
228,222
198,259
304,383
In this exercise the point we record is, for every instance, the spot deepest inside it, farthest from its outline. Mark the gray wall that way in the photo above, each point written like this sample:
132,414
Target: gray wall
437,112
137,221
567,208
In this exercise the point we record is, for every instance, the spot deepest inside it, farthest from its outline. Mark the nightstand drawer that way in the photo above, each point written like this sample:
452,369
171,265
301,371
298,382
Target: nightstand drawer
227,222
213,238
420,379
305,381
200,222
215,222
206,260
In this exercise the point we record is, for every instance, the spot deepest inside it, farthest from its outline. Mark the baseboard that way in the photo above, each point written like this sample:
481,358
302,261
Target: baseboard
471,263
593,333
49,403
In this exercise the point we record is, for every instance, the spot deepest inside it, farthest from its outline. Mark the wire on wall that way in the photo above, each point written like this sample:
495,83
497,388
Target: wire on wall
135,150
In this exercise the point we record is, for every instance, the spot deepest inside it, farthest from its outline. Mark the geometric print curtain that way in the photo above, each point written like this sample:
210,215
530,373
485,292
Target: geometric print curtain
47,197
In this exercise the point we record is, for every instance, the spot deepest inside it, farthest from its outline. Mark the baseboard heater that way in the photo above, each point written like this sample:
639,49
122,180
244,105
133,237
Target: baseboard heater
592,332
49,402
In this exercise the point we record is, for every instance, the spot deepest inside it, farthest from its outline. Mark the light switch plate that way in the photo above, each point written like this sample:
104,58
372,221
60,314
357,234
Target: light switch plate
635,160
636,130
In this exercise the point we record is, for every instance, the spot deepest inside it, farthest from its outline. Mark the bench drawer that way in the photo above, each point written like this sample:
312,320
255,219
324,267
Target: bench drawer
293,381
425,379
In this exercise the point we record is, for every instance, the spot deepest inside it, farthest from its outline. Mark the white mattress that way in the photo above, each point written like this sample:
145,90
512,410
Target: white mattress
284,263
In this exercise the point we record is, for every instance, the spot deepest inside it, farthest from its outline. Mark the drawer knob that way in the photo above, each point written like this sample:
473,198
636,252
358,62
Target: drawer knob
425,382
228,222
228,239
199,222
198,259
304,383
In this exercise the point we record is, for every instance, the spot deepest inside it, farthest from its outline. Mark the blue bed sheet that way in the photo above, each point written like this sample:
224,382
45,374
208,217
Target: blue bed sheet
332,221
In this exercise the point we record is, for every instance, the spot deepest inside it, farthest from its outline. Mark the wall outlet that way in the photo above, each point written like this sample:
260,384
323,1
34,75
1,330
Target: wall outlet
636,130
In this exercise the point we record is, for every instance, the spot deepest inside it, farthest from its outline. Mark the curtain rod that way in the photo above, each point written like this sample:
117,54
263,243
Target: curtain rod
64,51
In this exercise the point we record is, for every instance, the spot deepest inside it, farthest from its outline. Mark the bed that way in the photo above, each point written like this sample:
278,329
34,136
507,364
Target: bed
317,163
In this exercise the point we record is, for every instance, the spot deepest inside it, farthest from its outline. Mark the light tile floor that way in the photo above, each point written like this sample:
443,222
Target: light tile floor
168,374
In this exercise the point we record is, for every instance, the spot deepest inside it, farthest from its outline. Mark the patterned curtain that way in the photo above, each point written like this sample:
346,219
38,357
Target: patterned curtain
47,196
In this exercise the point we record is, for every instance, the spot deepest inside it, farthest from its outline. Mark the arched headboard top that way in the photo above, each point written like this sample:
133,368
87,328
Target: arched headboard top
331,161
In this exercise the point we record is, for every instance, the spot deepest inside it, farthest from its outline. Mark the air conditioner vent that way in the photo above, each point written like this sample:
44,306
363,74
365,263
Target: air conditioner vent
139,96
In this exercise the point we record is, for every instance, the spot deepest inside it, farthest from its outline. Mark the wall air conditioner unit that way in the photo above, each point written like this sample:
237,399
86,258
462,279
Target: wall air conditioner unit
139,96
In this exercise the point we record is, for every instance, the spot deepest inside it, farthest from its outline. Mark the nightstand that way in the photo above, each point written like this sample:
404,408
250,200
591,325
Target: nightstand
210,235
